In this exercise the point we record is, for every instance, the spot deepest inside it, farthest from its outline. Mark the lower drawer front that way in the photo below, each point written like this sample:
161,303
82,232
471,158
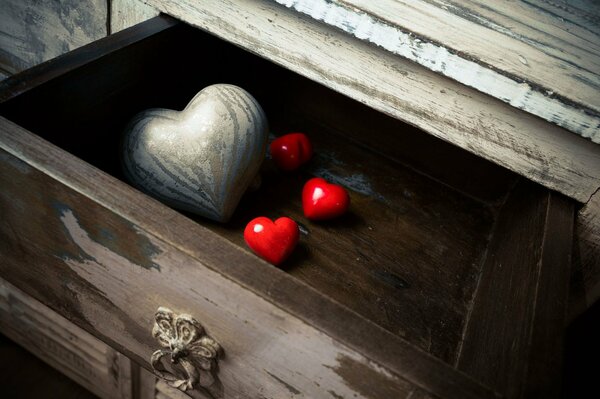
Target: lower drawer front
63,345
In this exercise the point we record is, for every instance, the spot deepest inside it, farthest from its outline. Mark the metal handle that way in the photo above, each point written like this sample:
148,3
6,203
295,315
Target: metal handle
192,353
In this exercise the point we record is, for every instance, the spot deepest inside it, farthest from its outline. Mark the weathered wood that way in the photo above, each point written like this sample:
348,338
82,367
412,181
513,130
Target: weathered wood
35,31
407,256
63,345
154,388
448,110
187,250
556,77
112,289
404,285
126,13
310,107
514,337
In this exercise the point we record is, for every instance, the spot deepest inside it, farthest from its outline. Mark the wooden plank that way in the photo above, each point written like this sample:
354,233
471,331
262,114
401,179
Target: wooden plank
21,306
63,345
448,110
126,13
544,373
175,260
122,372
514,337
34,32
557,80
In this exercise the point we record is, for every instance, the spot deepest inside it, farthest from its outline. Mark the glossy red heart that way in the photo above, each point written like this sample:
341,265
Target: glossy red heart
291,151
322,200
272,241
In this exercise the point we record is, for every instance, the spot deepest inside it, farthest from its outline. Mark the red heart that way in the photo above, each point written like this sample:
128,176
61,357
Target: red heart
322,200
273,242
291,150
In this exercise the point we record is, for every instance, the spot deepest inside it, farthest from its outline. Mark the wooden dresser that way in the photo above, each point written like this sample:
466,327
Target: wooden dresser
473,178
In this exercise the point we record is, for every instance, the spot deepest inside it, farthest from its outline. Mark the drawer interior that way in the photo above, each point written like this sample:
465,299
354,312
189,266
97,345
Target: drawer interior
409,253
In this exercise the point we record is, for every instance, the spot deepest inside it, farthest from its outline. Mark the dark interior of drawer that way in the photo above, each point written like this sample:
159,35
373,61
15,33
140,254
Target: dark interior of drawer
409,252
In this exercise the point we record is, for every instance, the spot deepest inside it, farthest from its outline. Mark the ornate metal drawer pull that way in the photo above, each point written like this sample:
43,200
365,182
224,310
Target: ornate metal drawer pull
193,354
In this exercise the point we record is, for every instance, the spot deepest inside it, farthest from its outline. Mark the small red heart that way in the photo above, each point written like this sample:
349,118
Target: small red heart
272,241
322,200
291,151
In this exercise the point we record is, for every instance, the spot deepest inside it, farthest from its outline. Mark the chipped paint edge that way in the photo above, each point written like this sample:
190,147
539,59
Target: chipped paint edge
440,59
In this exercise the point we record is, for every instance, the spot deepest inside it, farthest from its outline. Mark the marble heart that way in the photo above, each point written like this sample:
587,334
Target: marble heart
201,159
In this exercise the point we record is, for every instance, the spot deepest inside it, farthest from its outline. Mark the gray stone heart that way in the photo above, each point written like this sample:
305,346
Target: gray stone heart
201,159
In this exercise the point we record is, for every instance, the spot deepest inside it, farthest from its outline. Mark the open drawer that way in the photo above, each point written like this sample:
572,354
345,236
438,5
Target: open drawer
448,277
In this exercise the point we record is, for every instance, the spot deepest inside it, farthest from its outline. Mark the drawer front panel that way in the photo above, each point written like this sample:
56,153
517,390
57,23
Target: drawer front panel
63,345
109,276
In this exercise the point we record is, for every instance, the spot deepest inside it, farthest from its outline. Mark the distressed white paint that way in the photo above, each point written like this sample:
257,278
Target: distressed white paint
259,339
438,58
395,86
33,32
126,13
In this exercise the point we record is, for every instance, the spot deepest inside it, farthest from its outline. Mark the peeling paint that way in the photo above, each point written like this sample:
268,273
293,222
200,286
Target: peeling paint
80,255
357,182
139,251
366,381
33,32
454,64
523,61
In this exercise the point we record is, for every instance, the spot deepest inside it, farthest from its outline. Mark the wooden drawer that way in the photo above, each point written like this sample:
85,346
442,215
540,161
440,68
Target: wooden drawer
447,278
66,347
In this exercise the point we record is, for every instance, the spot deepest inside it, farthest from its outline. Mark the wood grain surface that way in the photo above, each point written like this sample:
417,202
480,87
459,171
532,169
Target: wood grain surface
521,297
522,53
395,86
406,256
126,13
35,31
63,345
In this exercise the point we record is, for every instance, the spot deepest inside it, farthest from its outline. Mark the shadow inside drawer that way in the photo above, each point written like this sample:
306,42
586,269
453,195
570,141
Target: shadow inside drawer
408,254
